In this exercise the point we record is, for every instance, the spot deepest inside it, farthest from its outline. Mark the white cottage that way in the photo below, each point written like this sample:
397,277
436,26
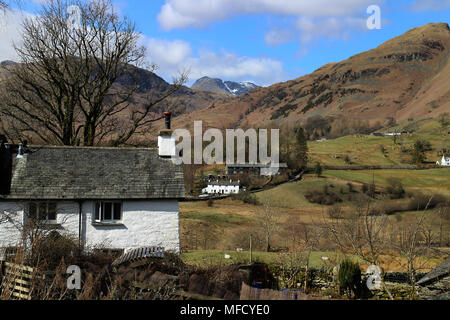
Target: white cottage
445,162
222,187
110,198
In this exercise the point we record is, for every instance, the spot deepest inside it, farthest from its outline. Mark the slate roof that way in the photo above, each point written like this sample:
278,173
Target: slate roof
224,183
441,271
67,173
256,165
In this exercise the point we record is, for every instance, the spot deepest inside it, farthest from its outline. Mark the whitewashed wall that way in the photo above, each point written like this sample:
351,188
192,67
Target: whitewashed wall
144,223
10,235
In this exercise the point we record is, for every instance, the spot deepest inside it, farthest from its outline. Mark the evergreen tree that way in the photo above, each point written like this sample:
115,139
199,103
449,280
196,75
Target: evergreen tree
419,152
302,148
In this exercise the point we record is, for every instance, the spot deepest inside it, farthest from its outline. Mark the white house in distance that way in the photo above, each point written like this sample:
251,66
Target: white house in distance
110,198
445,162
222,187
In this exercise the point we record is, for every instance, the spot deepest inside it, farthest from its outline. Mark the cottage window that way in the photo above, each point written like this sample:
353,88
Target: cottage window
108,211
42,211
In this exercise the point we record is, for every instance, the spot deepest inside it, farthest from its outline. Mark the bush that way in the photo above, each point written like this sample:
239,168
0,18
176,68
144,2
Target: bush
347,160
318,170
246,197
324,198
365,188
421,202
55,247
395,189
336,212
351,188
210,203
350,278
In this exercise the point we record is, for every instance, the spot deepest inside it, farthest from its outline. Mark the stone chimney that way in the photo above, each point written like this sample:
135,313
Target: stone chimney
166,143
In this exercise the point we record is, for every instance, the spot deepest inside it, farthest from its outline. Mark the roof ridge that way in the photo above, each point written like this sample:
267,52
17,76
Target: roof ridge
87,148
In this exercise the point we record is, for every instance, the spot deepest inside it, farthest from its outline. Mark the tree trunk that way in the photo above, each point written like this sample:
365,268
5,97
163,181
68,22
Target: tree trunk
89,133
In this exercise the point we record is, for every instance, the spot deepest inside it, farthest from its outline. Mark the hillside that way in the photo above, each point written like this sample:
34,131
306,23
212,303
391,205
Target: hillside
406,77
185,100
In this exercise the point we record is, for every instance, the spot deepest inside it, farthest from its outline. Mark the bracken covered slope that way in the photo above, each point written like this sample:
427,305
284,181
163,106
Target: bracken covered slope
406,77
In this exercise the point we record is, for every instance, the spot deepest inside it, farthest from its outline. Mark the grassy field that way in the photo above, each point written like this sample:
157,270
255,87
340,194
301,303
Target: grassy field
212,257
219,229
380,151
433,179
292,195
227,224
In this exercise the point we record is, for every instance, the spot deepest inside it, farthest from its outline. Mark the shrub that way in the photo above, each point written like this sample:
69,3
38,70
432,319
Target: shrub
347,160
246,197
349,278
322,198
210,203
318,170
421,201
395,189
335,212
365,188
351,189
55,247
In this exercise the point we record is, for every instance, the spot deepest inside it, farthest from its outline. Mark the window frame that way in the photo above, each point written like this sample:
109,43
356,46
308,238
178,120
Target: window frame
37,214
99,211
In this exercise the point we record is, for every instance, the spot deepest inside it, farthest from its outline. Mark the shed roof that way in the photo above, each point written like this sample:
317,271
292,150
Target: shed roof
441,271
68,173
225,183
257,165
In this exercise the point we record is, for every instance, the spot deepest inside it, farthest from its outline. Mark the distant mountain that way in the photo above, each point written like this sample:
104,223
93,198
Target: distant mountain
223,87
238,88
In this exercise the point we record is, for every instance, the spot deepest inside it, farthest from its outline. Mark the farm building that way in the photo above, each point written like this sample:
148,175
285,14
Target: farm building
445,162
222,187
110,198
256,169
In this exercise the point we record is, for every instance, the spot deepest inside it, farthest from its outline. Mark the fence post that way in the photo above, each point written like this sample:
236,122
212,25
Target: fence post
2,264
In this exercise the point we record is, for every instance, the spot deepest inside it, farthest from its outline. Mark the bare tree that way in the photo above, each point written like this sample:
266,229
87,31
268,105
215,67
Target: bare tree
75,82
414,240
363,232
269,223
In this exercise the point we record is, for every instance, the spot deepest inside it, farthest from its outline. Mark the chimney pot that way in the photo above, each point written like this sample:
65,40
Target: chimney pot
20,153
166,142
168,117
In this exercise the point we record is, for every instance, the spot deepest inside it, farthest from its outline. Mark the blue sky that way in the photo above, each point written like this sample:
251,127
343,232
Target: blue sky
263,41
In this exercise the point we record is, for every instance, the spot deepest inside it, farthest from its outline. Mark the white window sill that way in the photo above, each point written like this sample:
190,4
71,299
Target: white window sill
107,224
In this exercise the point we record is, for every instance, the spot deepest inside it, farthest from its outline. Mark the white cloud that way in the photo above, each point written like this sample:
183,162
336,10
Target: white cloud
174,56
10,32
277,36
330,19
185,13
426,5
331,28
